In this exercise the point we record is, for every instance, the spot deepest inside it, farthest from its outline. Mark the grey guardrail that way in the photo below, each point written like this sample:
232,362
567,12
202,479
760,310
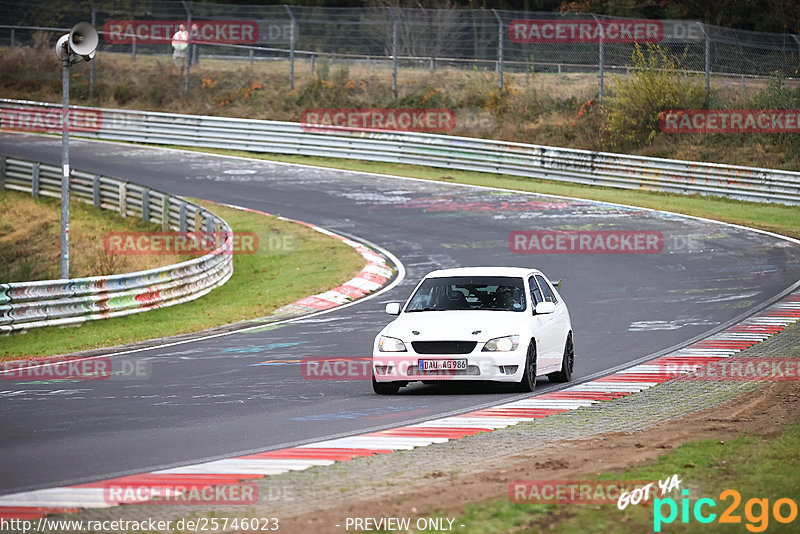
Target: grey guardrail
451,152
28,305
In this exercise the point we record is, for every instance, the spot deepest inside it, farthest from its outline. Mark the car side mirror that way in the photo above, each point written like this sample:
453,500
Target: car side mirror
545,308
393,308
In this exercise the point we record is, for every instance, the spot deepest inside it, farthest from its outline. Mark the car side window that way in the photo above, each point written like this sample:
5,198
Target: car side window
546,291
536,293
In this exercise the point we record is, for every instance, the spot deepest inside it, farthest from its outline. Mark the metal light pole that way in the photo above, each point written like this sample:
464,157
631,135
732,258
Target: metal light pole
65,169
79,43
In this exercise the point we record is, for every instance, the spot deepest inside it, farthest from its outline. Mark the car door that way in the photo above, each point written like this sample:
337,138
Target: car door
558,324
545,327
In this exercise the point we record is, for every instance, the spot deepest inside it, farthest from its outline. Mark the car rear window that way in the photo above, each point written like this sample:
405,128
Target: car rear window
500,293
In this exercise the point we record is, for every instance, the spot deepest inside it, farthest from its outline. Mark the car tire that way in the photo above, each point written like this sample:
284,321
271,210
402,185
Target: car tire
385,388
567,363
528,381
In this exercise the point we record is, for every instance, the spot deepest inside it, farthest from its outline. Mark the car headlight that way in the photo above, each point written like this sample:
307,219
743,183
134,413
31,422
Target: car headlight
501,344
391,344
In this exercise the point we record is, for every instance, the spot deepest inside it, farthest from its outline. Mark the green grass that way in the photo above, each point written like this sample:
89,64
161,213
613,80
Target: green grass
755,467
778,218
310,263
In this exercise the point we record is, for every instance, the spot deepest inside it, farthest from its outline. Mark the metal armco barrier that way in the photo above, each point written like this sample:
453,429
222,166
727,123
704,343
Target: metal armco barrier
451,152
27,305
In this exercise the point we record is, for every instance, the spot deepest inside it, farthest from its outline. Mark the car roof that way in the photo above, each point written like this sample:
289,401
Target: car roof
483,271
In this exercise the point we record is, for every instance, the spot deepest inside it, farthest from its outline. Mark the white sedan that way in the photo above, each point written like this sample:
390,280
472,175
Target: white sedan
502,324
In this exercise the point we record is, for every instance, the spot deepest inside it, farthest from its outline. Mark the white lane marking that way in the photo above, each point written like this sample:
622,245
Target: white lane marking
377,442
551,404
65,497
247,466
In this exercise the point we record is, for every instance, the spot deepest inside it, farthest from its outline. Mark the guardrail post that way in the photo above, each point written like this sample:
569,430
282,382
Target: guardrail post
291,46
2,173
96,191
198,221
145,205
499,49
123,199
164,212
251,54
209,225
13,43
182,218
35,181
133,49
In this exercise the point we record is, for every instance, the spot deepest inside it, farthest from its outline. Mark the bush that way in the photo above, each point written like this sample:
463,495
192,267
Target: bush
777,95
635,103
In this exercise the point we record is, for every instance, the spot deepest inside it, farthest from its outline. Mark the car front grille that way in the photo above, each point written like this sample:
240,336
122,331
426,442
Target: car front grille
471,370
443,347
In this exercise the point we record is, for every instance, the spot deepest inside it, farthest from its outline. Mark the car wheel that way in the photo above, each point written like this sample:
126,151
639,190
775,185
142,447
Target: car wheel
385,388
528,381
567,363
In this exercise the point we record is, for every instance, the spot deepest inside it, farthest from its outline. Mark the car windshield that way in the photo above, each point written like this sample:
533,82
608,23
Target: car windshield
502,293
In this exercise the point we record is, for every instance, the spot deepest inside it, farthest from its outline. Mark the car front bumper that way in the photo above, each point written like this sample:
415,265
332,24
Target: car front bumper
490,366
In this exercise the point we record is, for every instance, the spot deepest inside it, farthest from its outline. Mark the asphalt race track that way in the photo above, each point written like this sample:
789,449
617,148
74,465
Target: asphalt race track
210,398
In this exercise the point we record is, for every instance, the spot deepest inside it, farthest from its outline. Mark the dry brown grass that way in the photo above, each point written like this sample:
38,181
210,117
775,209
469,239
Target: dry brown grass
540,108
30,240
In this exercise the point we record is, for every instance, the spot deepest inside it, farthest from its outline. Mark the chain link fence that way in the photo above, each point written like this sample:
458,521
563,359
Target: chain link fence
405,40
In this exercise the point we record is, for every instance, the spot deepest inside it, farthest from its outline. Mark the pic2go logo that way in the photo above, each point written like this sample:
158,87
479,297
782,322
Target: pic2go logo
756,511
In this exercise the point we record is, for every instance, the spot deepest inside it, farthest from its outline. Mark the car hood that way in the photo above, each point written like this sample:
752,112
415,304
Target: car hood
455,325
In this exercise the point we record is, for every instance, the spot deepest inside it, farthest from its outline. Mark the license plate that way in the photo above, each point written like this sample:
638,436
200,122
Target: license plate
443,365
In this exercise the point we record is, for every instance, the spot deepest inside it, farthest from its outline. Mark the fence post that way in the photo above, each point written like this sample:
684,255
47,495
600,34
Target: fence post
123,199
601,59
394,51
13,41
145,205
708,61
133,49
291,47
313,62
2,173
188,60
499,49
35,181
